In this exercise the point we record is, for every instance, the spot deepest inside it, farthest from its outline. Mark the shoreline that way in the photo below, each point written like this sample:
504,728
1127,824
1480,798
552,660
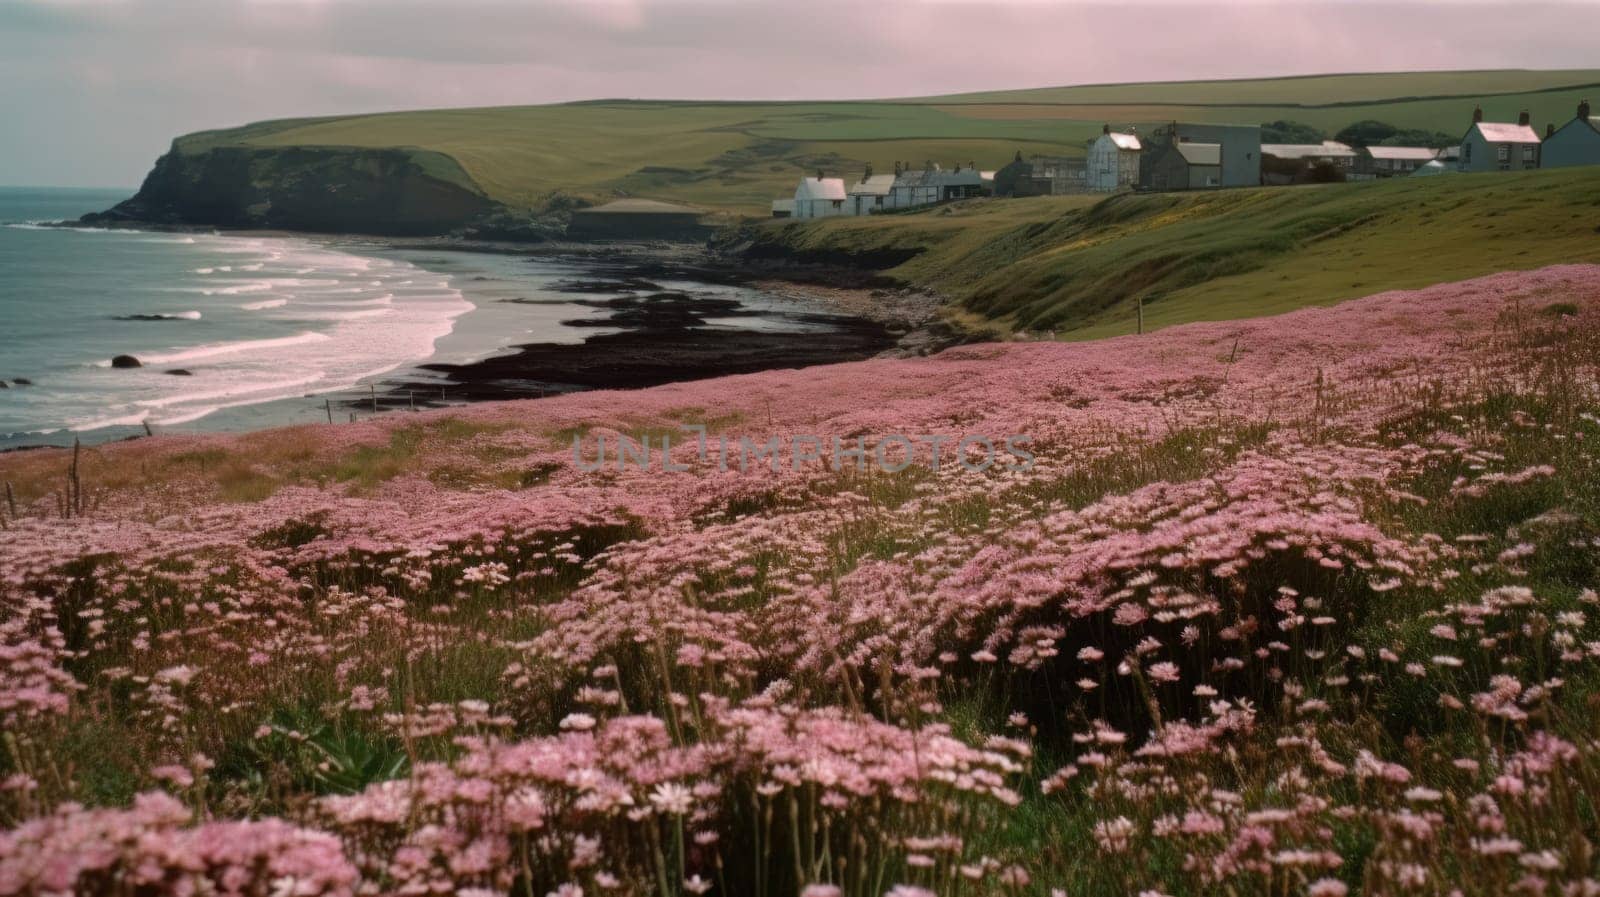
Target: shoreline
653,334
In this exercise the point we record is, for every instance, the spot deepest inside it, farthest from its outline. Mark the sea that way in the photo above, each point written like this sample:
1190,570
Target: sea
241,331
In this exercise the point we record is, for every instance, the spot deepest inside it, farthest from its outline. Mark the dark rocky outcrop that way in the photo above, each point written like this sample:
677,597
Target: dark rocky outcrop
22,381
180,372
126,361
386,191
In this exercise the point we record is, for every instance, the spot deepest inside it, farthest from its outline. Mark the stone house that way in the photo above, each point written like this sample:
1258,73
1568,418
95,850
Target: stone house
1499,146
1575,143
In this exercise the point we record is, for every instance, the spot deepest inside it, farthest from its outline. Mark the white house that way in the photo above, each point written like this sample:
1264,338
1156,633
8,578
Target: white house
1499,146
1575,143
1113,161
821,197
871,193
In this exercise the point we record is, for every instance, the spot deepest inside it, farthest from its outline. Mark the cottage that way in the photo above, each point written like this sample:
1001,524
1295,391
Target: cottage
871,193
932,184
1234,152
1113,161
1388,161
1498,146
1038,176
1575,143
820,197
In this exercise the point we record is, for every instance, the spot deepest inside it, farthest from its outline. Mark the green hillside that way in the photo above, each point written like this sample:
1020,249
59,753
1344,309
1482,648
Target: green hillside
1080,265
739,156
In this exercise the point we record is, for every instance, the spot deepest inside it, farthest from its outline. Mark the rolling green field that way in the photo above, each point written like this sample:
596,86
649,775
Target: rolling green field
738,156
1080,265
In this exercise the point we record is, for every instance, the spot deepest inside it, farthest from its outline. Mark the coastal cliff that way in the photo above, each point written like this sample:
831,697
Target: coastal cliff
392,191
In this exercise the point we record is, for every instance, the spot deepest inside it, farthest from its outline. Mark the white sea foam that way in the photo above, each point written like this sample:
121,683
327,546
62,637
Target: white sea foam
264,304
294,317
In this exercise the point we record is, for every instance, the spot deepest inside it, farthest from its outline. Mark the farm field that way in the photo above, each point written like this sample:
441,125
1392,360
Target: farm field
1080,266
738,156
1302,604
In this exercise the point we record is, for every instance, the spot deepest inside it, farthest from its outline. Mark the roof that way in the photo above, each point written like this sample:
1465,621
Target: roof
1504,132
1592,121
1327,149
640,206
820,188
1403,153
1201,153
877,185
1124,141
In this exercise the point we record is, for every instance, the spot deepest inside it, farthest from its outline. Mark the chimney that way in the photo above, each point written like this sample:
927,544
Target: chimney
1549,131
1583,109
1477,114
1105,129
868,173
819,174
1522,117
897,165
1019,156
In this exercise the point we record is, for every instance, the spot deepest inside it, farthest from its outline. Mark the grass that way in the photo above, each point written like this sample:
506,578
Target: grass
738,156
1080,265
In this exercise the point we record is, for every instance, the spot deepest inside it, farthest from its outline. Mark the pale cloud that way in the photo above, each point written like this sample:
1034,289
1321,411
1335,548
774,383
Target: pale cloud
91,91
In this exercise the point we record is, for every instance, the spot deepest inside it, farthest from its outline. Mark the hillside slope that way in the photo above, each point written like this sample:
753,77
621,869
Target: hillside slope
738,156
1080,265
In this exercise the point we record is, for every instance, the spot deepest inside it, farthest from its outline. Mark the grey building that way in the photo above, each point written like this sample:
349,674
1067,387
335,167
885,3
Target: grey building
1575,143
1238,154
1040,176
1499,146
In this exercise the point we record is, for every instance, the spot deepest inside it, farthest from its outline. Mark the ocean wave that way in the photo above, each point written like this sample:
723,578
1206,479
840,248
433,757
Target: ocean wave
264,304
217,350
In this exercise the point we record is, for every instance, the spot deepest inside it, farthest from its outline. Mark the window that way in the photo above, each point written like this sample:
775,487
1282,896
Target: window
1466,152
1505,153
1527,153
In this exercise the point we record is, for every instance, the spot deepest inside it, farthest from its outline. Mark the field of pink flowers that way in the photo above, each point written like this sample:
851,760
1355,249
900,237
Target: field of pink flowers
1298,605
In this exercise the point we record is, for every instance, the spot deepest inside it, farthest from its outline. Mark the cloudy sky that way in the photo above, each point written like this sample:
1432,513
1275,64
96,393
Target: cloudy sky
91,91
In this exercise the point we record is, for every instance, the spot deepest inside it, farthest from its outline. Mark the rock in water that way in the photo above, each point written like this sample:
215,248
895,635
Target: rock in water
126,361
181,372
22,381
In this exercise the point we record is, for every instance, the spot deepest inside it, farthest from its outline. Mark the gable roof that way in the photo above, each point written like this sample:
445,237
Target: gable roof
877,185
1201,153
1403,153
1327,149
1504,132
1592,121
820,188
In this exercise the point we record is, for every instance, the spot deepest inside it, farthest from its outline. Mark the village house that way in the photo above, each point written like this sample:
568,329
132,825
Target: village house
871,193
1183,166
1499,146
1389,161
932,184
820,197
1575,143
1039,176
1222,156
1113,161
783,208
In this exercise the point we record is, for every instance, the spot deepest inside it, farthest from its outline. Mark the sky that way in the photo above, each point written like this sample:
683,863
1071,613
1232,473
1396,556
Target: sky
92,91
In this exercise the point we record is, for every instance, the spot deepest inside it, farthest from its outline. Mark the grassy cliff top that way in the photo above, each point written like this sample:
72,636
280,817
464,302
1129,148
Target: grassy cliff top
740,155
1080,265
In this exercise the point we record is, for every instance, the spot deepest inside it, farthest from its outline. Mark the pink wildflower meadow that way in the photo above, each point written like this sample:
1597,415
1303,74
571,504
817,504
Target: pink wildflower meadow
1297,605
